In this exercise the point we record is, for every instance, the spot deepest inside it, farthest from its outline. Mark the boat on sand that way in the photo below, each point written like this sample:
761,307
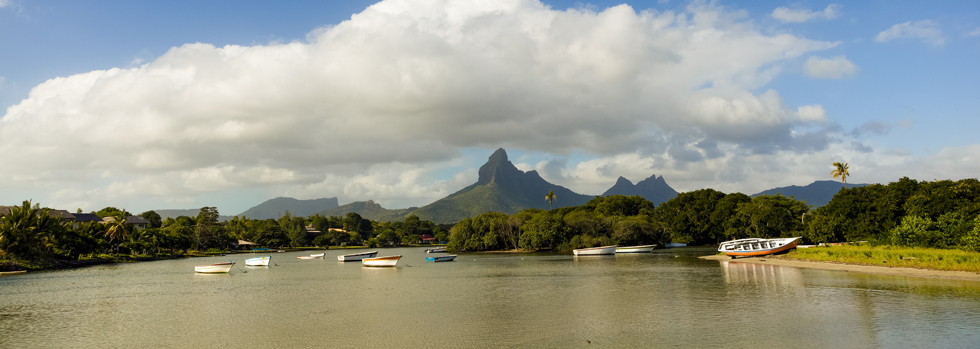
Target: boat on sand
386,261
595,251
214,268
756,247
357,256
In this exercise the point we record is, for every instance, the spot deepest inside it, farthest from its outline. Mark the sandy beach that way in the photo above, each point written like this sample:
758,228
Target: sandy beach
897,271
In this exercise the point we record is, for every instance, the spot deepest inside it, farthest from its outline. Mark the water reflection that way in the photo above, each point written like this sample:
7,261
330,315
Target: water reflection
761,274
668,298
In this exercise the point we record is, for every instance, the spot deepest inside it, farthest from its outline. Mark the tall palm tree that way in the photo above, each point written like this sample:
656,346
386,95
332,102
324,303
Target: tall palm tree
551,198
840,170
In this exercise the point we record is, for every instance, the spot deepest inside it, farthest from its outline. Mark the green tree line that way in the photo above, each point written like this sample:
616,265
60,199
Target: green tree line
938,214
33,233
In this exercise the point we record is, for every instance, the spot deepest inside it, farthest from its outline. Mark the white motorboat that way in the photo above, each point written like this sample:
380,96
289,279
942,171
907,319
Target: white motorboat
258,261
635,249
447,258
387,261
756,247
595,251
312,256
436,250
214,268
357,256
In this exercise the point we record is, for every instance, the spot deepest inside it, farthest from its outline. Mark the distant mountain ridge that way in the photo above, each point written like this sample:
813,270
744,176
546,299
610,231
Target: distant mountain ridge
275,208
368,209
818,193
654,189
164,214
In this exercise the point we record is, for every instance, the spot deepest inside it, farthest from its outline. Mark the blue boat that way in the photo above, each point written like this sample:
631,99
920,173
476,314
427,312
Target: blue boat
448,258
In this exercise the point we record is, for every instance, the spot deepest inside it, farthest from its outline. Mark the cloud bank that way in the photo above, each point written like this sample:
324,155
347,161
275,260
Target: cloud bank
374,107
787,15
829,68
926,30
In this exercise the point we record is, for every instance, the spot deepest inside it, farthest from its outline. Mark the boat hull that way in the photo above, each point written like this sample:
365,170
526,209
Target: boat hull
757,247
387,261
595,251
214,268
12,273
636,249
436,250
312,256
258,261
448,258
357,256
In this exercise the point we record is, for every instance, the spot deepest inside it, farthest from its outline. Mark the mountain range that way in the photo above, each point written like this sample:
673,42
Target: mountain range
816,194
501,187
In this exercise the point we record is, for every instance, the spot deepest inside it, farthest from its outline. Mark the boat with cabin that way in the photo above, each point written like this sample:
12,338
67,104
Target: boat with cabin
214,268
448,258
357,256
636,249
386,261
595,251
258,261
756,247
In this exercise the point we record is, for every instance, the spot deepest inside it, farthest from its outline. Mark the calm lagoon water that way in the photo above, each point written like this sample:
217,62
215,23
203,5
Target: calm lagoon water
668,298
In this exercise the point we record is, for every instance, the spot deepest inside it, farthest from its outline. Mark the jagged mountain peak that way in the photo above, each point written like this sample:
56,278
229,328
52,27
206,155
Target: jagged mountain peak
497,168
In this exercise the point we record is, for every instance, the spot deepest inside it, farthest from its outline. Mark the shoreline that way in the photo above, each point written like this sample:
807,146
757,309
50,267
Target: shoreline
858,268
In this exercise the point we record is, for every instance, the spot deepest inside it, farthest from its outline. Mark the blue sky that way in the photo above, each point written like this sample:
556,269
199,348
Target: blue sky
402,102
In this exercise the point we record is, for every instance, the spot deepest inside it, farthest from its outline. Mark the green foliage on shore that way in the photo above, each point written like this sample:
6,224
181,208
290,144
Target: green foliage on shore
893,256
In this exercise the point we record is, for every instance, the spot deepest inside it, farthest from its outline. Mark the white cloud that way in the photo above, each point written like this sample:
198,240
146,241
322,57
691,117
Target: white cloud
975,32
5,3
829,68
926,30
787,15
405,85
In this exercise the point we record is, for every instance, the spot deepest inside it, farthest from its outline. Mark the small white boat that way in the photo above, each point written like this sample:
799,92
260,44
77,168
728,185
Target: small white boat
387,261
214,268
357,256
448,258
595,251
436,250
635,249
312,256
258,261
756,247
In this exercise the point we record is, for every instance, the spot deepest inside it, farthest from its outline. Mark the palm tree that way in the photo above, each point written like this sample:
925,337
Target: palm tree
118,229
840,170
551,198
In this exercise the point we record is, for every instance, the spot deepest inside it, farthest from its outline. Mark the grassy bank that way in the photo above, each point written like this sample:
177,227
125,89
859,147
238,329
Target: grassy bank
892,256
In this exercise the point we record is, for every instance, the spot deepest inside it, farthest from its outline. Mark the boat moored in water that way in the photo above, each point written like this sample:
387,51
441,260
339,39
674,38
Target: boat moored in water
312,256
357,256
595,251
12,273
635,249
258,261
435,250
448,258
214,268
756,247
386,261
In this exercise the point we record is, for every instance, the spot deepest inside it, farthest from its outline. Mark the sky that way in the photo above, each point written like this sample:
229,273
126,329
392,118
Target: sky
184,104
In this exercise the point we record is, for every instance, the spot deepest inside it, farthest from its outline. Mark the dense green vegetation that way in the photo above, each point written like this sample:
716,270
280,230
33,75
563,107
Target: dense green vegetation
937,214
32,235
